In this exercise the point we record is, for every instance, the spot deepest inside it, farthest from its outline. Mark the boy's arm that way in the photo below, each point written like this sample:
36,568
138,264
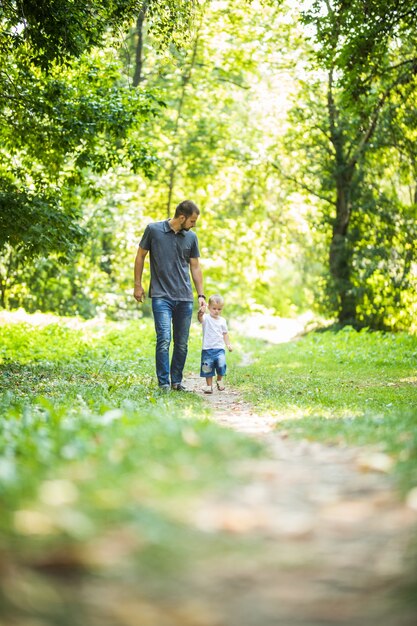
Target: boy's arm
227,341
200,313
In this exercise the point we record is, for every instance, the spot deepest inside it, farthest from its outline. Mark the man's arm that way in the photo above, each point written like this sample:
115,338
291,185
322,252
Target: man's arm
197,276
139,292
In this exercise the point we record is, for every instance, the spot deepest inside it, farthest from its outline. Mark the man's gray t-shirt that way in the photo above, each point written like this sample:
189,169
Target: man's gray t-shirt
170,256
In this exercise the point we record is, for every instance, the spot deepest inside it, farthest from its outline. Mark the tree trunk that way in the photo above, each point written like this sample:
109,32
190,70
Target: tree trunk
2,293
340,257
137,77
176,140
8,266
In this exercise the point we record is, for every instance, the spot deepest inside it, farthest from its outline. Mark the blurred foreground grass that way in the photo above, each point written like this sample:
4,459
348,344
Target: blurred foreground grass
97,468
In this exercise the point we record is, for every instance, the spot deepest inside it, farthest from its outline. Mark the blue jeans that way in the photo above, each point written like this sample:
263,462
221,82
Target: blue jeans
213,361
177,313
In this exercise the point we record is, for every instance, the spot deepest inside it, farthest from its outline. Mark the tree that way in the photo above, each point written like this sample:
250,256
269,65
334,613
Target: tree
51,31
210,143
366,53
65,110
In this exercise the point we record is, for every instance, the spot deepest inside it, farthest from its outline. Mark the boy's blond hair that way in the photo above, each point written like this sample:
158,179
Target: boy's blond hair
216,299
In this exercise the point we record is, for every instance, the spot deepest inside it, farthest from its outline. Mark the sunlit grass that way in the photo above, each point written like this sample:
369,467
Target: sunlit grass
350,387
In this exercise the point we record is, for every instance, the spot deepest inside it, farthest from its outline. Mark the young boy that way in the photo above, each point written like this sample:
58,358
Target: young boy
215,337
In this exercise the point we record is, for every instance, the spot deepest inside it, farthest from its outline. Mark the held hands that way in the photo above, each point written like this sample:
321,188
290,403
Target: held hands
202,305
201,311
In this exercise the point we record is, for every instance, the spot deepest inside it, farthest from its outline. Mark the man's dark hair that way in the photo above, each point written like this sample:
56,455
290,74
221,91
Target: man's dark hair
186,208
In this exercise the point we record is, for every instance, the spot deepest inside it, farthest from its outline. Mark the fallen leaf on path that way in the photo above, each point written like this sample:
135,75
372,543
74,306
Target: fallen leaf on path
375,462
348,511
412,499
230,518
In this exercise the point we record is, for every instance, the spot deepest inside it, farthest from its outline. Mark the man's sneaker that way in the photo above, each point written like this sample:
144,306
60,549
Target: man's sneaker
178,387
164,388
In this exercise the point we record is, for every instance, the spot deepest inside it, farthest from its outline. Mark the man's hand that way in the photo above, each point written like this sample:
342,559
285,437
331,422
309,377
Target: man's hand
139,293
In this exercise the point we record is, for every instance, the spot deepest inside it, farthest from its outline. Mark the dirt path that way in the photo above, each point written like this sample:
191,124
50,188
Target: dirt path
333,537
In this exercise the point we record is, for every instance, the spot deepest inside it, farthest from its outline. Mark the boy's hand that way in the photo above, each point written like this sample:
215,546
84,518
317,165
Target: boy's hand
229,347
202,309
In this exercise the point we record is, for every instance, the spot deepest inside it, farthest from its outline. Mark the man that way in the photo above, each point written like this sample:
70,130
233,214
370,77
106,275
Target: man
173,253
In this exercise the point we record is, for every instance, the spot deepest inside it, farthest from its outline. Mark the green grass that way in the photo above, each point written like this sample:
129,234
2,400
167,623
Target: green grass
357,388
89,392
92,454
98,470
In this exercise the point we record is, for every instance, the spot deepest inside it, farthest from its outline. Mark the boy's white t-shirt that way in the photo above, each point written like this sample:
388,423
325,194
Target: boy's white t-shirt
213,331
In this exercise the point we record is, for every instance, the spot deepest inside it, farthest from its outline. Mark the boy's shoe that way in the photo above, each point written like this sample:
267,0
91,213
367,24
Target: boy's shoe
178,387
208,389
220,386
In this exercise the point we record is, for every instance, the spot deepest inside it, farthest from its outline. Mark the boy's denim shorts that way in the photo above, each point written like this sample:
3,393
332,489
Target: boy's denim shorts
213,361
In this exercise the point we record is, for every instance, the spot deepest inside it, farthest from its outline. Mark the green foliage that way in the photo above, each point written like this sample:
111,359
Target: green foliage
346,387
207,138
384,282
84,153
344,137
358,40
81,119
210,142
31,222
58,30
66,113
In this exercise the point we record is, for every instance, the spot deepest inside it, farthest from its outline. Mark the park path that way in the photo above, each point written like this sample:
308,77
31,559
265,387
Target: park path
334,540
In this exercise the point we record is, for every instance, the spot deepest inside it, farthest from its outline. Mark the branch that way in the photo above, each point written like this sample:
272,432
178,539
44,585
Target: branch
233,82
224,78
11,82
374,119
324,132
389,69
302,185
337,137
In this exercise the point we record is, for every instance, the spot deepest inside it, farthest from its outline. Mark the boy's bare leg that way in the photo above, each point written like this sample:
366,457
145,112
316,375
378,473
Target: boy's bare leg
219,383
209,385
